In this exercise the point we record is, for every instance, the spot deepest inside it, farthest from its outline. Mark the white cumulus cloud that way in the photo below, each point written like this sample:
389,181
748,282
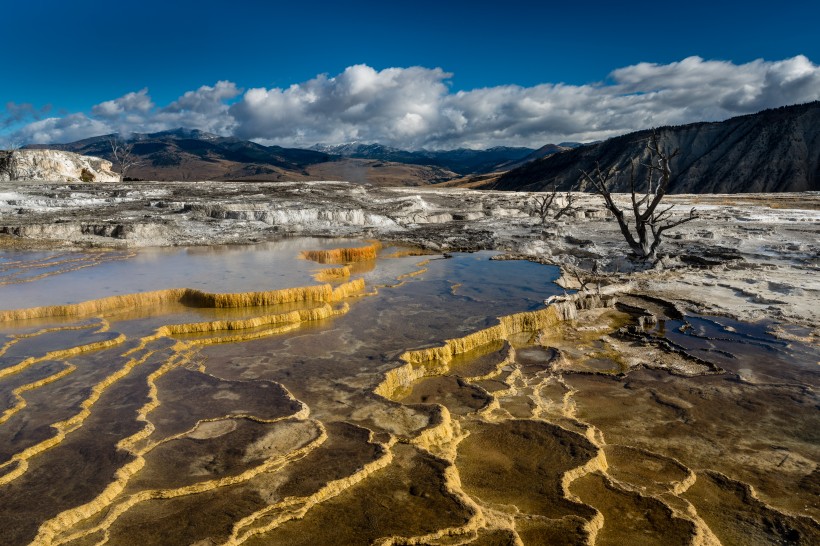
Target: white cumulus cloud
129,104
392,105
414,107
65,129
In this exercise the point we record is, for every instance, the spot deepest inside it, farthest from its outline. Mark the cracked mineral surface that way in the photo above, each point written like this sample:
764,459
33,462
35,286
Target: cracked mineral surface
391,387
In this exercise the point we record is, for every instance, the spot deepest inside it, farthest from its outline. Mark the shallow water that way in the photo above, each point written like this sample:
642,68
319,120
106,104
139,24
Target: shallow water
82,276
116,429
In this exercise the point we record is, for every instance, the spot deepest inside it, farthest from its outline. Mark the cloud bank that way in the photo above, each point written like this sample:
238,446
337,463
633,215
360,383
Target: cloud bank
414,107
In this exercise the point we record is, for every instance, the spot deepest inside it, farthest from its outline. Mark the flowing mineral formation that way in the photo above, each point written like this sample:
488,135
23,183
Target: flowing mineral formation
56,165
614,414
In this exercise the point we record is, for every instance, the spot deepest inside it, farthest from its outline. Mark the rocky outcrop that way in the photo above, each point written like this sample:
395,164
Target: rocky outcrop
55,165
772,151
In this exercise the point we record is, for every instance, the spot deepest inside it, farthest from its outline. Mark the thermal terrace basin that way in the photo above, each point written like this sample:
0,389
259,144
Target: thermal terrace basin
315,391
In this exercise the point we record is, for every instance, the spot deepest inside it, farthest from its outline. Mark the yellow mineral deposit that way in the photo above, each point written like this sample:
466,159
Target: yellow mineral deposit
435,360
411,252
116,505
344,255
61,354
20,402
188,296
330,274
422,269
292,508
19,462
607,491
275,323
293,317
444,434
102,326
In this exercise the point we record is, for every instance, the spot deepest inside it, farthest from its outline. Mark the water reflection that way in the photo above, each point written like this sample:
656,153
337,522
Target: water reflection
267,428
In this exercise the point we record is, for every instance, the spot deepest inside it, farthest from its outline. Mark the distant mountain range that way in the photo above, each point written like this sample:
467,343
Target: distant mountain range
183,154
462,161
774,150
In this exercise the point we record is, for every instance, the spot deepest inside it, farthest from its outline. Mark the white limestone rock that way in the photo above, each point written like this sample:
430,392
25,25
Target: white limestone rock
56,165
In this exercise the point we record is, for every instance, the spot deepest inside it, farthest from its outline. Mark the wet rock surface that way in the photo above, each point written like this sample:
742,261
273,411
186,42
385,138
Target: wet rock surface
391,404
752,256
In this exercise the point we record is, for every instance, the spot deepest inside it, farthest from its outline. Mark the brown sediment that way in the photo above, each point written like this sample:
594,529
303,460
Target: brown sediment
525,466
454,393
629,517
67,519
19,461
452,485
17,393
189,296
47,535
181,411
343,255
566,484
497,537
415,498
530,529
648,471
277,322
70,518
291,508
62,354
209,516
672,514
714,494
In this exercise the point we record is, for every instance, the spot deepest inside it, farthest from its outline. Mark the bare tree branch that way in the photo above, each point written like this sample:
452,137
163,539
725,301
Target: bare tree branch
570,206
600,181
124,158
9,159
542,203
584,278
649,223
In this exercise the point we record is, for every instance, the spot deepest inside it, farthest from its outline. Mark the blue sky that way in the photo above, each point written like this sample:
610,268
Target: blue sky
68,58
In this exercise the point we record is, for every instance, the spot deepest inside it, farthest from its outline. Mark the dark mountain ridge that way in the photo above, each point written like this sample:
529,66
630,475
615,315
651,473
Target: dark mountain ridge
174,147
461,160
191,154
776,150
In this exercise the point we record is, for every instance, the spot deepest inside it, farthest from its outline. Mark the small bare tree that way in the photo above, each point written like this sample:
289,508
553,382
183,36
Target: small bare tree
650,223
569,202
123,155
543,204
584,278
9,163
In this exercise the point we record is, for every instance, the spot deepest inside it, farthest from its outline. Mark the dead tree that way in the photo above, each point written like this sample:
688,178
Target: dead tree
584,278
9,164
123,156
649,222
569,203
543,203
